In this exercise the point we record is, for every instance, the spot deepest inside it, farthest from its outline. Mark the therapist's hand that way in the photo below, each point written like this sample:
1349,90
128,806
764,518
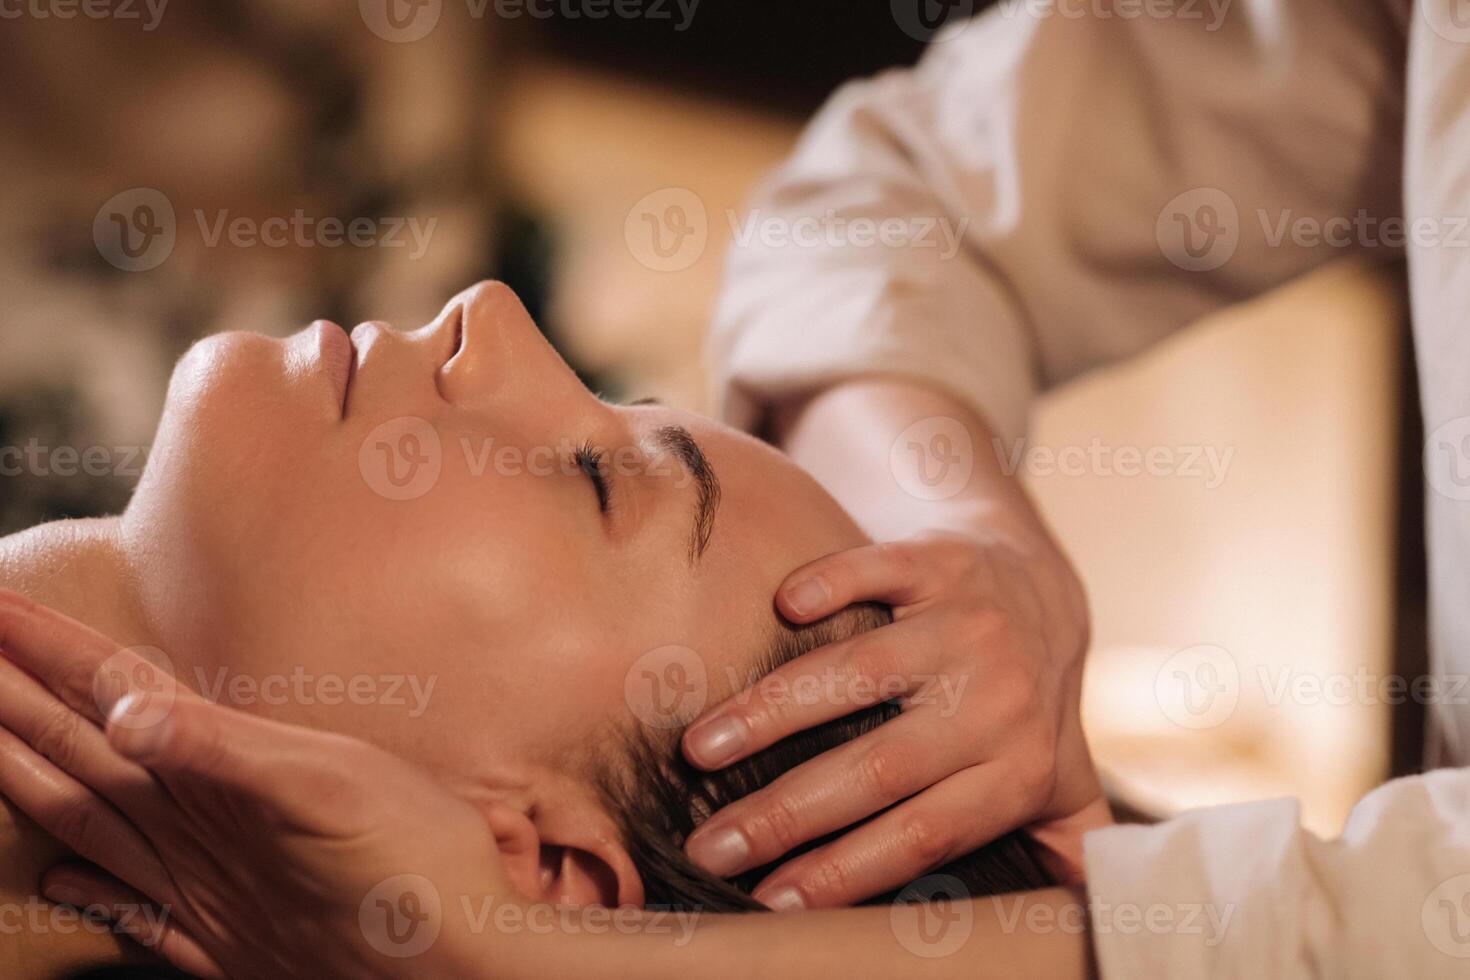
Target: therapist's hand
275,851
985,654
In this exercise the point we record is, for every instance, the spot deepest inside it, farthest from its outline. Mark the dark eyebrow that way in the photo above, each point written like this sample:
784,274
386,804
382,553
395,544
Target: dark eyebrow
676,440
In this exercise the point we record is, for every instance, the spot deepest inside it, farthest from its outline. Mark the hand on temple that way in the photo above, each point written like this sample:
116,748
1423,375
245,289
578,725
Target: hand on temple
271,850
985,654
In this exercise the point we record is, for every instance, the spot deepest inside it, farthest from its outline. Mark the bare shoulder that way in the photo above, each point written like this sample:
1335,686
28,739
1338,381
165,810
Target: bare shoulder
72,566
50,564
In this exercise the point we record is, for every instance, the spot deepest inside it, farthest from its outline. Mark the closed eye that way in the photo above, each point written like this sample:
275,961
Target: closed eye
589,461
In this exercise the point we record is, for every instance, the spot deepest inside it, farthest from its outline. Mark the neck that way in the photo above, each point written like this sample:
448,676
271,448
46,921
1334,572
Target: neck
79,568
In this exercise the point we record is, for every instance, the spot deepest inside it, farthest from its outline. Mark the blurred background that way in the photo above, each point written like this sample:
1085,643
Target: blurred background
525,141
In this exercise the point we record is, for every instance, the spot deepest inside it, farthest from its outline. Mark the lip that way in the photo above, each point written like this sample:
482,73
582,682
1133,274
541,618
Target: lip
338,358
454,335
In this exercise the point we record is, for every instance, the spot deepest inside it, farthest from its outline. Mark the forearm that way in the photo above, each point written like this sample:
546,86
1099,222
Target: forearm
1035,934
847,436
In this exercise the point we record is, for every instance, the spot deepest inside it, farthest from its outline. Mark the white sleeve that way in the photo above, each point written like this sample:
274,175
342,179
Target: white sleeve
1244,891
1034,178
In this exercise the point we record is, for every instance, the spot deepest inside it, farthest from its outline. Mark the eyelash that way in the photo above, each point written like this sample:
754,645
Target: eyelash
589,460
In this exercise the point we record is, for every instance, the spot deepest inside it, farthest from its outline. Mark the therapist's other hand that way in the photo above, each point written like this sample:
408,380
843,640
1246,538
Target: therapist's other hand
275,851
985,655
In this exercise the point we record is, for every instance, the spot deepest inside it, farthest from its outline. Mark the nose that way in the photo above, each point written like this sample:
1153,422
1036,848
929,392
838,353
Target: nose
503,358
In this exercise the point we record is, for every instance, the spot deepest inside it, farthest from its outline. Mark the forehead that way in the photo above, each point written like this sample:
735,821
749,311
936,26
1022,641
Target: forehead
772,516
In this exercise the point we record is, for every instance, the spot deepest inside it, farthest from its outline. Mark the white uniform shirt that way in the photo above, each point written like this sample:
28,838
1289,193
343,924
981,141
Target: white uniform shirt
1064,184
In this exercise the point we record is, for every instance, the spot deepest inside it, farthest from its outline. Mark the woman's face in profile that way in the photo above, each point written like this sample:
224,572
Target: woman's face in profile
452,506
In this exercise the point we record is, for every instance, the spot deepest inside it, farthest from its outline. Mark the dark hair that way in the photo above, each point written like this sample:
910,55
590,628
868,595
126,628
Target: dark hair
659,799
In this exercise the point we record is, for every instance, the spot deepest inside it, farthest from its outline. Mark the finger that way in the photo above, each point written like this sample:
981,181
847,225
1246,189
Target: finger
942,823
891,572
69,741
835,790
827,683
63,653
149,924
198,747
78,817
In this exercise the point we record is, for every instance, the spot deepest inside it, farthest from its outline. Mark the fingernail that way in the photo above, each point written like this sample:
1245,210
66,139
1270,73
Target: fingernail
783,899
807,597
718,741
65,895
722,852
138,741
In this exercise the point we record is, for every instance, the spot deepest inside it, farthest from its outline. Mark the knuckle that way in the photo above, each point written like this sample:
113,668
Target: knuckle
986,625
900,556
926,840
199,743
776,700
1034,785
77,683
1020,696
826,877
885,771
78,825
955,554
869,657
839,576
56,737
777,826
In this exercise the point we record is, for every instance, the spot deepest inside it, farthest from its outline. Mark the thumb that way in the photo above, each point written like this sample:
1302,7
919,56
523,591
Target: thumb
197,743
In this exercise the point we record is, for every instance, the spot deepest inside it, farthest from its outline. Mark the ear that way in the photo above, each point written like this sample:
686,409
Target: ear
571,856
